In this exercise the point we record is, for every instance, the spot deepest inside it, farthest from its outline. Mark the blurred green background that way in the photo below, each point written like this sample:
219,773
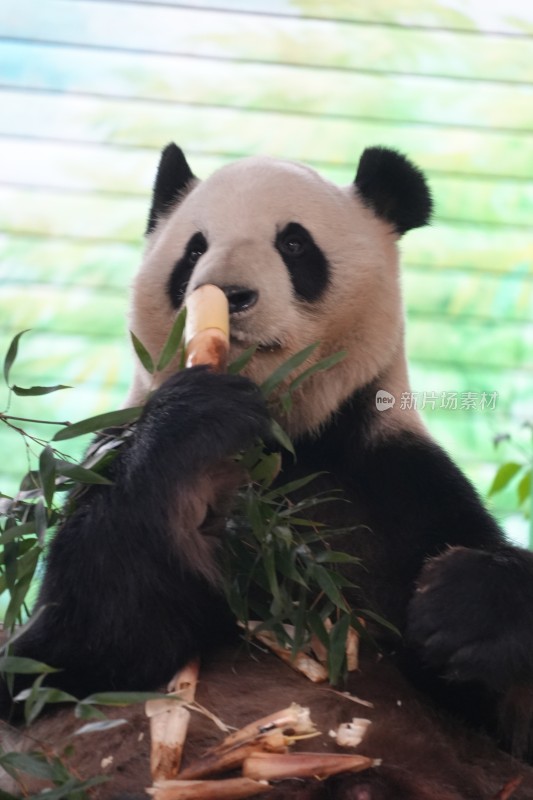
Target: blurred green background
91,90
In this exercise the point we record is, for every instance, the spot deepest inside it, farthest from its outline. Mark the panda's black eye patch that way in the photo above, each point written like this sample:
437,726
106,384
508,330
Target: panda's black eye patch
181,274
307,265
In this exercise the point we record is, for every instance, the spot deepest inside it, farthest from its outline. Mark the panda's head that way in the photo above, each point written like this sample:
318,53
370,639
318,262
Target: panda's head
300,259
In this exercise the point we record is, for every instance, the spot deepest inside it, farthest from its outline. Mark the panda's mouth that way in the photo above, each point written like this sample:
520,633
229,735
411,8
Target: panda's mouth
268,346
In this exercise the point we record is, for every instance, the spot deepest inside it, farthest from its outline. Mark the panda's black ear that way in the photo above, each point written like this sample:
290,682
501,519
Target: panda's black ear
394,188
173,175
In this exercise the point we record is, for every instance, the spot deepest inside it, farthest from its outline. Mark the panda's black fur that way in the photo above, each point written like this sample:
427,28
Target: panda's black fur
131,589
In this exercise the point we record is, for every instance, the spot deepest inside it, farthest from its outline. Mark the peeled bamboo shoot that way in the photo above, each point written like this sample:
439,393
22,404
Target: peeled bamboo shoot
273,766
207,328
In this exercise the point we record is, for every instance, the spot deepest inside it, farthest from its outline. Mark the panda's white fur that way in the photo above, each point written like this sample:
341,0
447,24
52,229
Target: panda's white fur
240,209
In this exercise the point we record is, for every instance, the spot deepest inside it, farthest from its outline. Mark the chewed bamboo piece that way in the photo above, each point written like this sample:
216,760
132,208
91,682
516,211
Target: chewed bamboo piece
207,328
272,767
295,718
351,734
169,721
216,763
229,789
271,734
301,662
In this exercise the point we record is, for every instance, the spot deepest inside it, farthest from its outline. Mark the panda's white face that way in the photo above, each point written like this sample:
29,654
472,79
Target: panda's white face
303,261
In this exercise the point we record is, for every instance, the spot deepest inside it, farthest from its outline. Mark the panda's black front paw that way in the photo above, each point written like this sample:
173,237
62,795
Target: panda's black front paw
202,412
471,617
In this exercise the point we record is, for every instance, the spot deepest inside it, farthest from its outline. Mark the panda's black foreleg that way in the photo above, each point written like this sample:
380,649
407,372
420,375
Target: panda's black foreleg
471,619
131,589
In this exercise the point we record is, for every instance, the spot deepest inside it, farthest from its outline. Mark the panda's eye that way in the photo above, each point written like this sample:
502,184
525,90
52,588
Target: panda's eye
183,269
292,245
196,248
306,264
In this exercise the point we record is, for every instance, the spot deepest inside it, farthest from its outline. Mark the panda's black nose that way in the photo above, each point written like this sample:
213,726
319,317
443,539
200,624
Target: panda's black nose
240,298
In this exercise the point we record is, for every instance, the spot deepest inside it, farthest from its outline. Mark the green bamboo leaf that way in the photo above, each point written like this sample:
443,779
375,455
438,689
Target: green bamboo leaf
36,391
368,614
281,437
11,354
172,343
45,696
336,557
29,763
337,648
317,627
88,712
111,419
47,474
292,486
24,666
329,587
100,725
41,521
266,469
504,476
14,531
241,361
21,589
524,488
279,374
320,366
123,698
142,353
81,474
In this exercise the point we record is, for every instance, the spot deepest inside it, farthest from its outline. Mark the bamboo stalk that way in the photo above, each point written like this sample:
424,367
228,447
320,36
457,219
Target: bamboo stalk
271,766
169,721
227,760
207,328
230,789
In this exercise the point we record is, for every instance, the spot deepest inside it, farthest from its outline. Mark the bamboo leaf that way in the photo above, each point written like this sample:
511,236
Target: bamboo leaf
524,488
172,343
329,587
47,474
24,666
241,361
81,474
36,391
504,476
100,725
123,698
11,354
111,419
282,372
281,437
14,531
320,366
337,648
336,557
29,763
142,354
292,486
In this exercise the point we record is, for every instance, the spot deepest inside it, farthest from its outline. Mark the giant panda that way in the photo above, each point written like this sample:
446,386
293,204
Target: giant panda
132,584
